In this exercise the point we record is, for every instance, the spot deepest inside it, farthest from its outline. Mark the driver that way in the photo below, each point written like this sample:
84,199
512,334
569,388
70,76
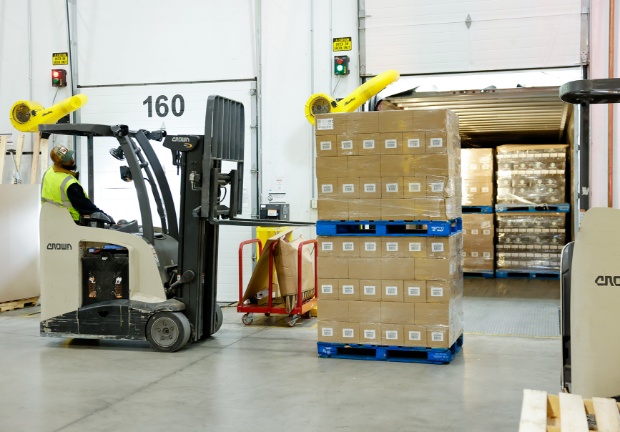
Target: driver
60,185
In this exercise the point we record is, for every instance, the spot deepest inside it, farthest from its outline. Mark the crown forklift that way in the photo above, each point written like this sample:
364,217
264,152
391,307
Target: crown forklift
122,281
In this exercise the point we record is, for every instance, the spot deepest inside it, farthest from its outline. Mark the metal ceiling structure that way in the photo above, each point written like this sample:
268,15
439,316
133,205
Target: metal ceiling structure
532,115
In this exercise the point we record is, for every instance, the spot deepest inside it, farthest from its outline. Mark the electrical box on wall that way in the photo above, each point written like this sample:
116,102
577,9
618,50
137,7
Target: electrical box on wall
341,65
59,78
274,211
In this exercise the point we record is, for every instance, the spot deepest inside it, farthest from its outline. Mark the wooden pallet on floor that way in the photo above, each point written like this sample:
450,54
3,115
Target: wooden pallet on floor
18,304
567,412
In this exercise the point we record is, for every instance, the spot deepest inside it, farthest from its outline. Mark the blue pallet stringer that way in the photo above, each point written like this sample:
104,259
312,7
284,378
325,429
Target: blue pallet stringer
478,209
437,228
390,353
559,208
527,274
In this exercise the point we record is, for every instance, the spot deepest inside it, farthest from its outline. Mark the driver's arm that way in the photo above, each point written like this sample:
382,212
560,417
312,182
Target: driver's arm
78,199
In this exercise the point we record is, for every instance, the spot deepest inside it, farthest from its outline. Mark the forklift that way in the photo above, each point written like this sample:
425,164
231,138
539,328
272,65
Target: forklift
590,271
130,281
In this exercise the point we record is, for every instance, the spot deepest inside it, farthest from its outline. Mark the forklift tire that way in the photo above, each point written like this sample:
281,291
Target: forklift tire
168,331
219,318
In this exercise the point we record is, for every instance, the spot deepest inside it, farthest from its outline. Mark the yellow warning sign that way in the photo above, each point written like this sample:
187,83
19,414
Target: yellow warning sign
343,44
60,59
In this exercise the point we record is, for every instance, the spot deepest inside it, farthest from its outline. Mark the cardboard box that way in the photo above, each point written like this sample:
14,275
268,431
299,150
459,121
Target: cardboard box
392,291
370,290
348,188
414,335
477,193
370,247
333,209
370,333
393,165
393,247
442,187
399,268
392,187
328,188
330,124
431,313
328,289
435,119
362,122
369,144
443,247
435,268
347,145
397,313
438,337
328,331
333,310
370,187
436,142
396,121
439,291
333,268
364,268
349,332
437,164
414,187
349,289
392,335
477,164
326,145
364,166
391,143
414,142
415,247
328,246
331,167
348,246
437,208
398,209
365,311
414,291
364,209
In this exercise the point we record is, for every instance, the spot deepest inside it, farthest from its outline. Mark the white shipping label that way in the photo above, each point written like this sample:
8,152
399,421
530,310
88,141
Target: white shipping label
391,334
485,166
474,232
370,246
436,187
348,188
415,335
391,290
437,247
347,333
391,187
368,144
391,144
370,334
437,336
415,187
327,331
370,290
436,142
413,143
391,247
348,246
473,189
485,189
485,224
325,124
474,254
327,246
348,289
486,232
436,291
327,188
327,289
415,247
347,145
486,254
326,145
370,188
413,291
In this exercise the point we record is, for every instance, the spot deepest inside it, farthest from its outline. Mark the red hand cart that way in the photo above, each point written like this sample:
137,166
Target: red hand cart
303,307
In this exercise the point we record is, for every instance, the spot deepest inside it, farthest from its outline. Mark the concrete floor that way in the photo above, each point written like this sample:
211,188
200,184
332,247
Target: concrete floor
266,377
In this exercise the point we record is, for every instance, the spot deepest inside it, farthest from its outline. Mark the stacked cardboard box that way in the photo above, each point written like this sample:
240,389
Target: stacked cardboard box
404,290
478,242
477,174
393,290
388,165
531,174
530,241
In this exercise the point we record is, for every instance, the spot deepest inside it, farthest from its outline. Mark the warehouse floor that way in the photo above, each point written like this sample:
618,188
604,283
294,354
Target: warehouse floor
267,377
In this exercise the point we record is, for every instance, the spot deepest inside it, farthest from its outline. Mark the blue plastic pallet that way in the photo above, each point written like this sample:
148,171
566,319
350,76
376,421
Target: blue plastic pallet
390,353
477,209
522,274
561,208
389,228
486,275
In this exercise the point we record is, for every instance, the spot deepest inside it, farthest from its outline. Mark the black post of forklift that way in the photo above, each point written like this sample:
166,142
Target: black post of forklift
189,271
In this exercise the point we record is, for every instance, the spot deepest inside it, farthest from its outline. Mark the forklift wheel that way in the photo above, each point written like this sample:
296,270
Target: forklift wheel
219,317
168,331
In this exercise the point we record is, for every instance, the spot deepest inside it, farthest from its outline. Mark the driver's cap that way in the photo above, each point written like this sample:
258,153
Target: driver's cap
61,154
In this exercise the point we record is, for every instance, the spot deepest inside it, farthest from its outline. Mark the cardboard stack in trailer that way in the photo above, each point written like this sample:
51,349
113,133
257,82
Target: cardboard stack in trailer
392,290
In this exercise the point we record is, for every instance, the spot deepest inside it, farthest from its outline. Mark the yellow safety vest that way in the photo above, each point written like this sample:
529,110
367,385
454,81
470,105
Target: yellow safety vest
54,190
